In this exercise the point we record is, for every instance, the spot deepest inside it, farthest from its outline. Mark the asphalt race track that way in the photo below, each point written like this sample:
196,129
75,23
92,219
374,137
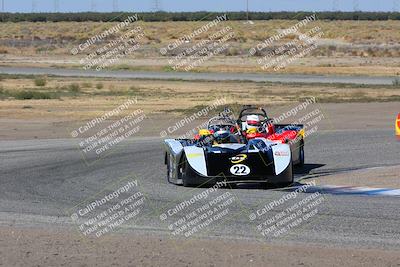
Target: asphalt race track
42,179
187,76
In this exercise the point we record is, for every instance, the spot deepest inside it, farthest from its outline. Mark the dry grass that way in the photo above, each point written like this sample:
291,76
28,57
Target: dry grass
161,96
357,32
347,47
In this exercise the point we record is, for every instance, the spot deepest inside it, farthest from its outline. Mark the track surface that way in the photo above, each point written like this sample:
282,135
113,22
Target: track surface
187,76
41,179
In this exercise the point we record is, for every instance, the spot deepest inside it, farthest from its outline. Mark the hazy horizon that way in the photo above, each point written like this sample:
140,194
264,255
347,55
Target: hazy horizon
192,5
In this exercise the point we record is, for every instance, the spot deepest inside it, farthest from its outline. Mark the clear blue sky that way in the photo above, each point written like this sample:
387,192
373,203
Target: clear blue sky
196,5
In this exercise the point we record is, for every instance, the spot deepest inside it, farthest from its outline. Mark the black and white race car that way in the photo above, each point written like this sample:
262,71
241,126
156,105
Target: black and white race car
221,153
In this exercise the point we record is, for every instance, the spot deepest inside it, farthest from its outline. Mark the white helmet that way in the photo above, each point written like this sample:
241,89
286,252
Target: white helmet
252,121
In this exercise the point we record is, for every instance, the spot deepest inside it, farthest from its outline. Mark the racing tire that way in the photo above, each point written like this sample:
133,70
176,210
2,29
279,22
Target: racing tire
190,178
301,157
286,178
186,173
169,169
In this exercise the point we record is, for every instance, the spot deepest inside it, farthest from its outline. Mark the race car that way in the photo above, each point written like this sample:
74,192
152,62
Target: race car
255,123
221,153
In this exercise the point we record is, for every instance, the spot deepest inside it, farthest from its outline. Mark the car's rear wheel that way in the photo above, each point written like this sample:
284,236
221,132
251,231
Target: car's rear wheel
169,162
302,156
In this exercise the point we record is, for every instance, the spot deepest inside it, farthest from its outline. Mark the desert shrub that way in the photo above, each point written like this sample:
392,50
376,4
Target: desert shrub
74,88
40,81
168,68
3,50
87,85
99,86
22,95
232,51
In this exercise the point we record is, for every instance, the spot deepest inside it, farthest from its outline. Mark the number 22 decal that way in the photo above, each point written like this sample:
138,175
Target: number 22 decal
240,170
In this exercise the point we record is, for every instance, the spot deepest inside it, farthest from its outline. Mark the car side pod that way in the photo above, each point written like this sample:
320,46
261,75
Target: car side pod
397,126
282,157
173,154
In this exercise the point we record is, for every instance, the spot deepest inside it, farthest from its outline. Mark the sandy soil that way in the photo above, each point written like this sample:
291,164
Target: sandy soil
59,123
346,47
63,247
323,65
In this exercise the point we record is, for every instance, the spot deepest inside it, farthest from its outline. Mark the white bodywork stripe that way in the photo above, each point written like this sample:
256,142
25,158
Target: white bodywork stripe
282,157
231,146
196,159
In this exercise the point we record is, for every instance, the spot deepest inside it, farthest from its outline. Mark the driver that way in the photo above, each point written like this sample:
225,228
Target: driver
225,137
254,127
222,137
253,122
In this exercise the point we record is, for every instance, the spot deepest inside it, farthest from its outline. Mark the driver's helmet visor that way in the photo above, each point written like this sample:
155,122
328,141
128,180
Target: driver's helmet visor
253,123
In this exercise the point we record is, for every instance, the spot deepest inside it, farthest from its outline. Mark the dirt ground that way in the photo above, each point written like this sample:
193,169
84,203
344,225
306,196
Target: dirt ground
365,116
322,65
76,99
346,47
64,247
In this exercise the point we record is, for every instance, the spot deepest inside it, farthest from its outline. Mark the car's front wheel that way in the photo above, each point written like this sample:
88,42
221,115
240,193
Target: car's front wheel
185,172
286,178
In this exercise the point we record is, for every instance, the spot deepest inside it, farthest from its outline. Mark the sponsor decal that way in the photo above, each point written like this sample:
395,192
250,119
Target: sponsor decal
238,158
194,155
281,153
240,170
302,133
